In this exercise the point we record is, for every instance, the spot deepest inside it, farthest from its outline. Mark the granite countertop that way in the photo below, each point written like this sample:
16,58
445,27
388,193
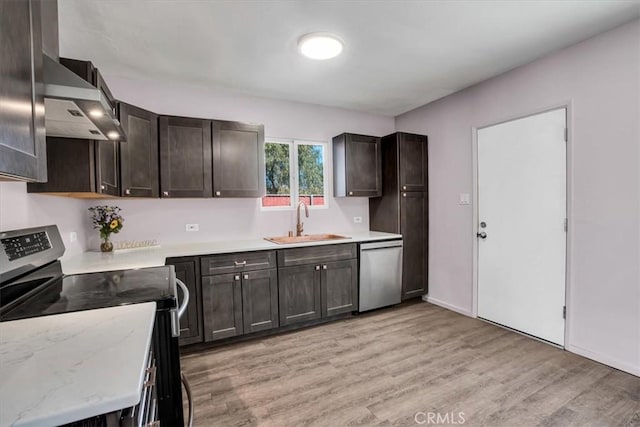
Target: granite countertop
90,262
67,367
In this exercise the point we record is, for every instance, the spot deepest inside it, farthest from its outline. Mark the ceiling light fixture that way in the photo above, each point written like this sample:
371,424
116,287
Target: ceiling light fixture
320,45
113,135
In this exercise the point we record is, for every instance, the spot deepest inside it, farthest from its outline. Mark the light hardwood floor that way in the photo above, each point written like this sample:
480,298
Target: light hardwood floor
384,367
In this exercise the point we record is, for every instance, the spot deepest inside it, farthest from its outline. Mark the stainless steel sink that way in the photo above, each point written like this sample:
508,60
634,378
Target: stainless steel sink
284,240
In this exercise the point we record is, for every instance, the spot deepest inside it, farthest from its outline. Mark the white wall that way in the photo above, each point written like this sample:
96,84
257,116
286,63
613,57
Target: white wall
219,219
600,78
21,210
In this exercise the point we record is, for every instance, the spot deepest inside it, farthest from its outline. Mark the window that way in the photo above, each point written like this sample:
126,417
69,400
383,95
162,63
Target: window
295,171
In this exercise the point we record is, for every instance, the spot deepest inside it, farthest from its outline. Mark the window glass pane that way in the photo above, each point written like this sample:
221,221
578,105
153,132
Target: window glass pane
311,174
277,174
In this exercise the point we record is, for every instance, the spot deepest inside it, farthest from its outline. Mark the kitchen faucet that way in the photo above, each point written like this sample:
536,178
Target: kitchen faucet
299,224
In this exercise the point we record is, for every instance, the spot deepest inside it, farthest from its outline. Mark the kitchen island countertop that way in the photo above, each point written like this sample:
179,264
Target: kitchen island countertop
63,368
91,262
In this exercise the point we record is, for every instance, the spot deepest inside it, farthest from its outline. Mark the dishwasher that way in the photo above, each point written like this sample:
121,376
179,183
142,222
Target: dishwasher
380,274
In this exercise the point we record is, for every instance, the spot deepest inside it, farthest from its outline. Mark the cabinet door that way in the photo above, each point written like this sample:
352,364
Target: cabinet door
413,162
108,168
222,306
185,157
339,287
22,132
260,300
190,323
238,159
363,164
413,226
139,154
299,294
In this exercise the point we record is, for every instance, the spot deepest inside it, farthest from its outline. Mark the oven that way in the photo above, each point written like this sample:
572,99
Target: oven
32,284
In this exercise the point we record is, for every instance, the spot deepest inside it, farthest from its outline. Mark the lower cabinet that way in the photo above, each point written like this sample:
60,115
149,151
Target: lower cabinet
239,303
191,322
319,289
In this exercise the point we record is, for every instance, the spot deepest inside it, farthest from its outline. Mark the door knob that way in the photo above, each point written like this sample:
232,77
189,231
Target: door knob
482,235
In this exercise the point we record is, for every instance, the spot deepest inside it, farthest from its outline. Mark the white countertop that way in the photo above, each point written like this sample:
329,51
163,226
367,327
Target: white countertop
66,367
91,262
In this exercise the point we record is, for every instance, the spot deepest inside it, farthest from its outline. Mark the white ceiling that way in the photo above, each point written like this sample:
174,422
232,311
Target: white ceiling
398,55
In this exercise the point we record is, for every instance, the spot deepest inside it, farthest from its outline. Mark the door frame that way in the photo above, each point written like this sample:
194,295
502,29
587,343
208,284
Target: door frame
569,206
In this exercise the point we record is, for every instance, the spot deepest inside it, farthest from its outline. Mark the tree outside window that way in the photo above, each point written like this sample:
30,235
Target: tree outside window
294,171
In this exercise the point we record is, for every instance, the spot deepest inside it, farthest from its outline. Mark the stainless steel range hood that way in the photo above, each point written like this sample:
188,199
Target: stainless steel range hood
76,109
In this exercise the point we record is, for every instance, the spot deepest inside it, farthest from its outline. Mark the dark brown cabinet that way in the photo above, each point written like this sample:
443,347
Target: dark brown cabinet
356,166
299,294
22,129
190,323
139,154
240,294
80,168
185,157
317,282
403,207
238,159
222,306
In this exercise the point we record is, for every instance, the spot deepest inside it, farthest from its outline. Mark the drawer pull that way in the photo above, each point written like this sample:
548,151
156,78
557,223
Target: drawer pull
240,264
317,268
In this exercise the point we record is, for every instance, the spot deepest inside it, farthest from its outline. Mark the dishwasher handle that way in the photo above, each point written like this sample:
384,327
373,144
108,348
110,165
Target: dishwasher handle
380,245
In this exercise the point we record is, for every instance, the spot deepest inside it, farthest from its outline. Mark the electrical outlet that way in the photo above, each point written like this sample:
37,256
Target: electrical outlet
357,219
192,227
73,236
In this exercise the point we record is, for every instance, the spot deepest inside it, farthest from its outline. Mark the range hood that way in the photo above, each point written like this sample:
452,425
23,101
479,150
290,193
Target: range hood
74,108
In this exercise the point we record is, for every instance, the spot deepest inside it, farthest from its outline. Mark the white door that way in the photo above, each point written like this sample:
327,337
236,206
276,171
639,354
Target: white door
521,224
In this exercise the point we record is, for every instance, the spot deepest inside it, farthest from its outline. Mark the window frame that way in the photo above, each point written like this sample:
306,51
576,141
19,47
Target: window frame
294,173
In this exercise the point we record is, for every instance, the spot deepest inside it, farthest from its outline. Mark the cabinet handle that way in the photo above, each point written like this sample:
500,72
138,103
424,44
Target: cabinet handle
165,193
240,264
404,194
102,187
351,193
218,193
404,187
127,192
152,377
317,268
324,267
236,277
246,276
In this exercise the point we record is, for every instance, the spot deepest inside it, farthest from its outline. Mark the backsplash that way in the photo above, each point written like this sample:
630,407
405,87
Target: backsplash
164,220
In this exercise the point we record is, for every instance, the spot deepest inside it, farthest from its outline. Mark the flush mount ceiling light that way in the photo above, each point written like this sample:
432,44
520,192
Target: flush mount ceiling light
320,45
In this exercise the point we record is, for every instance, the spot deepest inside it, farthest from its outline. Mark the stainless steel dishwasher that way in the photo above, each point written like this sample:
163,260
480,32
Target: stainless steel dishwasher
380,274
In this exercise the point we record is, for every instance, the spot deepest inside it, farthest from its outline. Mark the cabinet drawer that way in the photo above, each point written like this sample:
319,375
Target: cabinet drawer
316,254
243,261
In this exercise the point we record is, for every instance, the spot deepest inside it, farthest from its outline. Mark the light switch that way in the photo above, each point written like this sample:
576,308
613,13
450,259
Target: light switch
464,198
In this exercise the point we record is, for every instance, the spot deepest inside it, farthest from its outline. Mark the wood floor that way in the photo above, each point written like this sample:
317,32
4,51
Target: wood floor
383,368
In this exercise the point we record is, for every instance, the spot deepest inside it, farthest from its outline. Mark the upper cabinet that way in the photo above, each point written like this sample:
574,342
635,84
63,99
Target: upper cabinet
238,159
413,161
139,154
22,133
204,158
81,168
356,166
185,157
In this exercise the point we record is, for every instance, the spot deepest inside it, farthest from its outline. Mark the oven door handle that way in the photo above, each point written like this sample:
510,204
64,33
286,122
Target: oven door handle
185,298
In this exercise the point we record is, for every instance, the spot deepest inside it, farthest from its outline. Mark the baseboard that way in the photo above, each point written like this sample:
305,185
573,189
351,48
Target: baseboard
446,305
614,363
